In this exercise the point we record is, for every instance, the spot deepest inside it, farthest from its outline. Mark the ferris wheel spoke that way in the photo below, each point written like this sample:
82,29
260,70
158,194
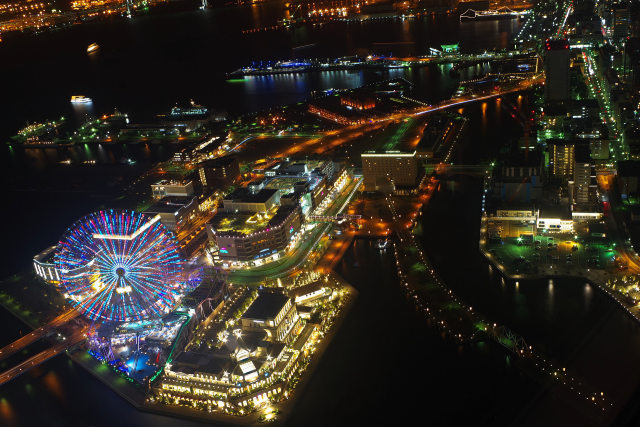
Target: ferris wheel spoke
119,279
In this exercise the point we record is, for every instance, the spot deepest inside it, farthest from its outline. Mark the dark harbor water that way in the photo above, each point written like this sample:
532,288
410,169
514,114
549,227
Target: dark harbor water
385,364
146,64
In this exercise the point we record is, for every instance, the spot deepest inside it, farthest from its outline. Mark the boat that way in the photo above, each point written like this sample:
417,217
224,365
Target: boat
382,244
79,99
93,47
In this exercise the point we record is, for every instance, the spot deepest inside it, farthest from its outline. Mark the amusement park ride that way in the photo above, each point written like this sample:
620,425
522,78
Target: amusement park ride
124,275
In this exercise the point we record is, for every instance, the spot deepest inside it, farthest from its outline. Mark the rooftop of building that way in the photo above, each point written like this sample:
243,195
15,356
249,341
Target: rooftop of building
586,102
555,110
523,158
629,168
245,195
211,362
248,223
388,153
560,142
266,306
557,44
46,255
515,206
208,288
596,227
218,162
282,182
181,182
241,223
582,153
555,211
306,289
169,204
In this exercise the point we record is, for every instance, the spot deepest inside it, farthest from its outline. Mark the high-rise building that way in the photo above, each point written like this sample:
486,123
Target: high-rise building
520,178
386,171
599,149
621,15
632,61
556,67
218,173
561,158
583,177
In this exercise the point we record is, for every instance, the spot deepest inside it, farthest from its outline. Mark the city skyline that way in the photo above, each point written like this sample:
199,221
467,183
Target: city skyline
250,212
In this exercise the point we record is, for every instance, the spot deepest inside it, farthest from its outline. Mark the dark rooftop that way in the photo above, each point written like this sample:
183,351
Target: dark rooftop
169,204
220,161
522,158
629,168
558,141
266,306
245,195
557,44
582,153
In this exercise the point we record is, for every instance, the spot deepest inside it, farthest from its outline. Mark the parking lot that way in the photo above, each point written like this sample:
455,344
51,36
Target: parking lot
561,251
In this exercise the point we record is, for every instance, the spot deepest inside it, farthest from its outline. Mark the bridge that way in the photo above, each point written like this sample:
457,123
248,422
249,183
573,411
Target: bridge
75,338
35,335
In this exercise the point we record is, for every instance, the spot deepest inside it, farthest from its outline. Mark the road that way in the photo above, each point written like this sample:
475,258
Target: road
34,336
43,356
330,140
334,139
288,263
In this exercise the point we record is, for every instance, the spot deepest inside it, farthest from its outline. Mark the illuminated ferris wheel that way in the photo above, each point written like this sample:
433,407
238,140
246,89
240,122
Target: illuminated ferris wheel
120,266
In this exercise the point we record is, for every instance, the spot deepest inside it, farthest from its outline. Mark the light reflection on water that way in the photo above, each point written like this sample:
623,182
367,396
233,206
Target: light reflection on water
6,411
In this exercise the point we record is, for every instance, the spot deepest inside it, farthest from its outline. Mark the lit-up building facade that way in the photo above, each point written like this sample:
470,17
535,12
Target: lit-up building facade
44,266
175,211
254,236
385,171
219,173
561,158
273,313
171,188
